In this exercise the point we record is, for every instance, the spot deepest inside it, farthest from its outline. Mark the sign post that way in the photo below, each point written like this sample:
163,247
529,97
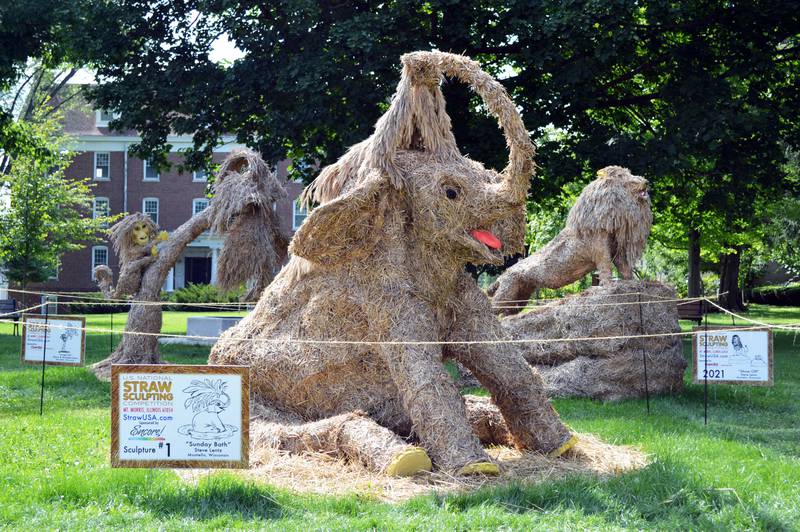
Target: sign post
54,340
180,416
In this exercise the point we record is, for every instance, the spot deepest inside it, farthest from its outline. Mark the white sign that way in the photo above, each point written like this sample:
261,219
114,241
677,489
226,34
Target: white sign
180,416
732,356
60,339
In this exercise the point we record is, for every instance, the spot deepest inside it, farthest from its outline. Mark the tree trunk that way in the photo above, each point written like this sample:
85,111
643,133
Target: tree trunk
143,318
730,294
695,282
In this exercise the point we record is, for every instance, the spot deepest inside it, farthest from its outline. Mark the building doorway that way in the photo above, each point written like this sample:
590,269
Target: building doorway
198,270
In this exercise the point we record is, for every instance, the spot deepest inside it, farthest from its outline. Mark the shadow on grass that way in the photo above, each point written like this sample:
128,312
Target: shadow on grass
665,494
216,496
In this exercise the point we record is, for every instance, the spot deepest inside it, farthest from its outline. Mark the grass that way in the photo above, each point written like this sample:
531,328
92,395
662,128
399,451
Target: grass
742,471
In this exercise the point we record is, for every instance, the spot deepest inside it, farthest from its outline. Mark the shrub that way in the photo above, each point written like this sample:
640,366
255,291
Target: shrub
784,295
88,305
201,293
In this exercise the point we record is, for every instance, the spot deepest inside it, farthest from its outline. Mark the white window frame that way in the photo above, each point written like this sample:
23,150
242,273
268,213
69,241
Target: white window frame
203,179
94,262
158,208
295,212
194,205
94,207
144,173
94,166
98,120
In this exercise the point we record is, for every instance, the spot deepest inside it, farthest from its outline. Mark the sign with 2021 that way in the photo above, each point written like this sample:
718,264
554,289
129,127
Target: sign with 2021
180,416
727,355
60,339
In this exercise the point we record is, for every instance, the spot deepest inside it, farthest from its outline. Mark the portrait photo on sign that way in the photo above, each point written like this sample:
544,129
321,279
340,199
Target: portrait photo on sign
730,355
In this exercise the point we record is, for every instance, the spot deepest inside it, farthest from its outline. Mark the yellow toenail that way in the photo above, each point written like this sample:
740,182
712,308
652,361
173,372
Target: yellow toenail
480,468
409,462
564,448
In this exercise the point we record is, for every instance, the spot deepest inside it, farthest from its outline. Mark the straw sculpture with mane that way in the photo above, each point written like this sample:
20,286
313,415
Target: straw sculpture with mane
608,226
380,263
241,209
255,248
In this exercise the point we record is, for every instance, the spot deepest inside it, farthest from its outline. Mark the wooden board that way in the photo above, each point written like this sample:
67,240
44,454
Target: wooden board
32,347
722,359
180,416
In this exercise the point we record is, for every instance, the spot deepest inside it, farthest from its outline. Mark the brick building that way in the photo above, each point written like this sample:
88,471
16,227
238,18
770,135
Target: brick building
124,183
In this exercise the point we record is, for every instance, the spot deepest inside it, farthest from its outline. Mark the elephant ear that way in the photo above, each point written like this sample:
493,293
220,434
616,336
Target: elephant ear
345,228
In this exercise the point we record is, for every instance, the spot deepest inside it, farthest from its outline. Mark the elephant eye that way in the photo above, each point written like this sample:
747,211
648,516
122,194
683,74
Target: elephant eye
451,193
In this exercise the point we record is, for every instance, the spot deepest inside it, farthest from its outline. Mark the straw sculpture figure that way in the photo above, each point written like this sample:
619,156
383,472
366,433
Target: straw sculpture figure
611,368
608,225
244,191
135,239
243,198
382,260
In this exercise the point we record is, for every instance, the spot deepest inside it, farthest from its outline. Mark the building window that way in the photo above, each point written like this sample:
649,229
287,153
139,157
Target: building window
200,175
151,172
99,258
102,166
101,207
102,117
299,213
150,208
199,205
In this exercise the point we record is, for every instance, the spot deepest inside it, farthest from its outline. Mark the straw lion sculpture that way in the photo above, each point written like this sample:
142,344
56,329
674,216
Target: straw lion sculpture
344,344
608,225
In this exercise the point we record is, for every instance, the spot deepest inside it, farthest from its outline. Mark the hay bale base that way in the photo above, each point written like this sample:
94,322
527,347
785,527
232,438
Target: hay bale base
318,473
606,369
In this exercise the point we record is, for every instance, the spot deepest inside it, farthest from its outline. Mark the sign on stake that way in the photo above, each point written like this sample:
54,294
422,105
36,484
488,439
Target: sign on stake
62,340
730,355
180,416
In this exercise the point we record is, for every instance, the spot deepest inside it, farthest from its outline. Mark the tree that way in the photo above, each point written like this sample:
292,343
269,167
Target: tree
694,95
47,214
49,33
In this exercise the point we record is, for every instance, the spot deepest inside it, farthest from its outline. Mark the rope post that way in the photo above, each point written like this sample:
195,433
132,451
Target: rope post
705,371
644,356
44,351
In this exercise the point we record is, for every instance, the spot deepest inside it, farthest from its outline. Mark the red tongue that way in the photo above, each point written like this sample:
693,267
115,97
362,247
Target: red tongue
487,238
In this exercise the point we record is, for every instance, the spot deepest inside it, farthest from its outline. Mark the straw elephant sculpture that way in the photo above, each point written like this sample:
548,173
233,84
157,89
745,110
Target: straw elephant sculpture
346,346
608,226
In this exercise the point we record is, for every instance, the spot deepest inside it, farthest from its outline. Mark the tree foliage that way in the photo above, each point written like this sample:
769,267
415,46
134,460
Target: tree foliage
46,214
699,96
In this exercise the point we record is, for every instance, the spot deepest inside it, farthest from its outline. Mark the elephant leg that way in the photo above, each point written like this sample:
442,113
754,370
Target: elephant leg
517,388
353,436
428,394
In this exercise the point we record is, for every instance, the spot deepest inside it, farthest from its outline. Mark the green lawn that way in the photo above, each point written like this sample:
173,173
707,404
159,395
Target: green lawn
742,471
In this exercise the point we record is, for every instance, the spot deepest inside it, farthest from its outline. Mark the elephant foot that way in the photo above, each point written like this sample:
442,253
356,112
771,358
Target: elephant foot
409,462
479,468
569,444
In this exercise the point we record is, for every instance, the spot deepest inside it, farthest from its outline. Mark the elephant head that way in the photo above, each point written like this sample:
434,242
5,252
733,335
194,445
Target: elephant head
410,172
